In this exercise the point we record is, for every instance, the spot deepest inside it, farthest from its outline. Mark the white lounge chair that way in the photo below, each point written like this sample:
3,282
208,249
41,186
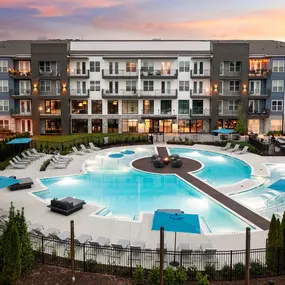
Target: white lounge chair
59,166
83,238
34,151
46,232
62,157
21,159
62,237
100,242
59,161
18,166
83,147
76,151
236,147
228,146
35,226
20,162
244,150
32,155
93,147
185,253
136,249
28,157
118,250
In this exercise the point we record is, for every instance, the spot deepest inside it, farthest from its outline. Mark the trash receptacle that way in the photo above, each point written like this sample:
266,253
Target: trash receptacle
106,140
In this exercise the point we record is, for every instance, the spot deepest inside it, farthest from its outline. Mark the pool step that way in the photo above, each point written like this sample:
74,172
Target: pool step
204,226
136,217
104,212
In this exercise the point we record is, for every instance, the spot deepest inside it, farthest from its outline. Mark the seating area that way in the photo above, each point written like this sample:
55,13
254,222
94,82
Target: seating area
66,206
174,160
84,149
60,162
24,183
236,149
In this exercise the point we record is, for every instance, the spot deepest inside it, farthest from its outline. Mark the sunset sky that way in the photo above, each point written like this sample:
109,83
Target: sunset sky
142,19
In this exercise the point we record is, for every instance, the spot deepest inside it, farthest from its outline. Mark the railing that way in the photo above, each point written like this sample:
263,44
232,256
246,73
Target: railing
20,112
228,112
50,92
21,92
119,92
79,92
264,112
136,93
145,72
19,73
259,72
229,72
119,72
159,92
259,92
200,72
199,112
229,93
200,92
79,73
52,72
218,265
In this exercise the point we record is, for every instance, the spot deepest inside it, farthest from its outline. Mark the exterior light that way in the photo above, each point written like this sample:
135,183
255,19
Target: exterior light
244,87
35,86
63,85
40,108
215,87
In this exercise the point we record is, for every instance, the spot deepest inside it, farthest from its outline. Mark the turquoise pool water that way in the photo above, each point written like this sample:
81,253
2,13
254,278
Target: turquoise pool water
219,170
124,192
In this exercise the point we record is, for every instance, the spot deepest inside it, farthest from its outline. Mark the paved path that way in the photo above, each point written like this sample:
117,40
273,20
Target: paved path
190,165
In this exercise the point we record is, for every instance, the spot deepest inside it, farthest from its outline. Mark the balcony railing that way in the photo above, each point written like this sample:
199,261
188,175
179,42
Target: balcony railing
263,112
21,92
259,92
230,72
200,92
83,73
229,93
80,92
259,72
50,92
159,73
15,73
140,93
20,112
119,73
199,112
226,112
119,92
52,72
200,73
159,93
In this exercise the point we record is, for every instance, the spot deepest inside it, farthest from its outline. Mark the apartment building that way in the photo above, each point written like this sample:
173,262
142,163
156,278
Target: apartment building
62,87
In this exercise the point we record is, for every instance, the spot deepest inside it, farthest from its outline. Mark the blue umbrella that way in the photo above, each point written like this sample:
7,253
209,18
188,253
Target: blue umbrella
20,141
224,131
278,185
7,181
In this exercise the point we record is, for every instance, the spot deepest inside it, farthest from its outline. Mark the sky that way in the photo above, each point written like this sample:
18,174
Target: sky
142,19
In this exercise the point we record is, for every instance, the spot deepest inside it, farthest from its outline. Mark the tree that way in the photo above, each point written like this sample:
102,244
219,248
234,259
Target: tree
12,255
240,126
283,229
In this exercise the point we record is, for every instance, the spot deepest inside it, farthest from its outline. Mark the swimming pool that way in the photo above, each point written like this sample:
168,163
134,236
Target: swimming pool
124,192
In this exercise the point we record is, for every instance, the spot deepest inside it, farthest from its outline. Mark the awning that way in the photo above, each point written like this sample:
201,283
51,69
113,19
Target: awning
224,131
7,181
278,185
176,222
20,141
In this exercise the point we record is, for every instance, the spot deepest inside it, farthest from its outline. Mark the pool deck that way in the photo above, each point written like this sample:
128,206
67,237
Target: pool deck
189,166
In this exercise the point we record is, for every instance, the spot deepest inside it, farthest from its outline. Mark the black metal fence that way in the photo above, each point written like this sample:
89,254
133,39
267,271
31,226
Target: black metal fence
218,265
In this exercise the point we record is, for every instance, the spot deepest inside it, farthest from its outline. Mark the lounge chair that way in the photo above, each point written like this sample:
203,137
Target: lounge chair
100,242
28,157
61,157
244,150
136,250
93,147
62,237
21,159
209,253
186,251
32,155
34,151
76,151
236,147
46,232
58,165
157,260
20,162
83,147
35,226
24,183
157,161
18,166
57,161
82,239
66,206
118,250
228,146
175,161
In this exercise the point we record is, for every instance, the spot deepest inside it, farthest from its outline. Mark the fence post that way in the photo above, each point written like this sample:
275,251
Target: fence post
43,250
161,265
231,270
278,262
247,256
131,263
84,261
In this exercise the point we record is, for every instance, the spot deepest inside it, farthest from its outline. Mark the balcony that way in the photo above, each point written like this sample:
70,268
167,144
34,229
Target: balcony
259,94
20,113
121,93
79,73
226,94
230,73
53,73
119,74
159,74
264,113
228,113
200,93
79,93
199,112
51,92
259,73
20,74
201,73
21,94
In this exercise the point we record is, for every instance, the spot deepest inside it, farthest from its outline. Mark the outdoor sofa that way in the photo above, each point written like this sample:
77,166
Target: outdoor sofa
66,206
176,161
157,161
24,183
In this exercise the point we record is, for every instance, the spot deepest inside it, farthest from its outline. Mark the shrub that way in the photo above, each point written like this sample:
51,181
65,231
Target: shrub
210,270
154,276
239,270
226,272
139,275
191,272
180,276
45,165
256,268
4,164
169,276
202,279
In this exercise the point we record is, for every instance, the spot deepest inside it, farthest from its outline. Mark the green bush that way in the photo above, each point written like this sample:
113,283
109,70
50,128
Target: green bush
154,276
210,270
139,276
275,133
45,165
226,272
4,164
180,276
239,270
202,279
191,272
169,276
256,268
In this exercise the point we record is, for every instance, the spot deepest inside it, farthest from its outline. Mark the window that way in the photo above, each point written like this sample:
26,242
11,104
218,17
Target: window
165,106
148,66
221,106
131,86
4,124
277,105
113,106
97,85
130,106
221,87
53,126
79,126
148,106
234,85
94,66
233,105
184,126
45,85
129,126
183,85
190,126
278,65
183,107
277,85
276,125
45,66
148,86
235,66
96,106
113,126
79,106
198,68
3,66
198,107
4,105
53,107
4,86
96,125
184,66
197,87
131,66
